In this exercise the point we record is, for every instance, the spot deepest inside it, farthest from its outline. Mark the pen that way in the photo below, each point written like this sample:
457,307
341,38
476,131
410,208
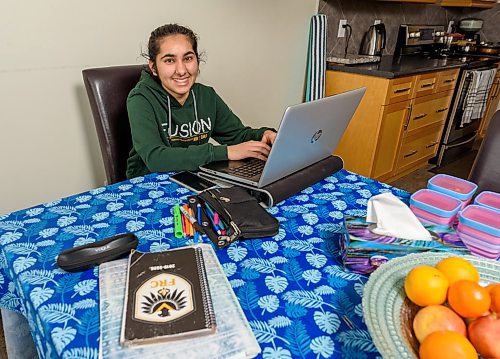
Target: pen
189,227
191,219
198,210
211,215
178,233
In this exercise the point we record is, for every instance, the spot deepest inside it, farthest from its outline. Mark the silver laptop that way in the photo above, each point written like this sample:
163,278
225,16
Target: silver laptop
308,133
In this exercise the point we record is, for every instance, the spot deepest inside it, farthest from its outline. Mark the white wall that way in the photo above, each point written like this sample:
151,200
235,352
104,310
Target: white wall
256,60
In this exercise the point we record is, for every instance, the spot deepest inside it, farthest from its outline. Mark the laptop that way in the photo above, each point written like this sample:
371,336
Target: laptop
309,132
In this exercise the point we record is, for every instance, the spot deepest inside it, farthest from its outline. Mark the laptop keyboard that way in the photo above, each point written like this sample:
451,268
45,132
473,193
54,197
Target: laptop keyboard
249,169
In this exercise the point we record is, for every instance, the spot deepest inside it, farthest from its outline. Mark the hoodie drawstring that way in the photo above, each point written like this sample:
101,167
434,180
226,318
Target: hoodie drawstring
170,114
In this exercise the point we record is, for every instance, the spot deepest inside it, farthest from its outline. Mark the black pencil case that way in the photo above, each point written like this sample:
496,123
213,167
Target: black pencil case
241,213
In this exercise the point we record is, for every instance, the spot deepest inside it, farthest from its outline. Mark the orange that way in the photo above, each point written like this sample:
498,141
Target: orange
494,290
446,345
456,268
469,299
425,285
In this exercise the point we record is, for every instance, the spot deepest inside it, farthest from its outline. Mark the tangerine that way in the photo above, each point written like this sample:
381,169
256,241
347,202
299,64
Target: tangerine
494,290
469,299
446,345
456,268
425,285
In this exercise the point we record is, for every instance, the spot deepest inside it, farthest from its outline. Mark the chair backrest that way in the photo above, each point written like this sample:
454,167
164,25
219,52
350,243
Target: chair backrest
107,90
485,171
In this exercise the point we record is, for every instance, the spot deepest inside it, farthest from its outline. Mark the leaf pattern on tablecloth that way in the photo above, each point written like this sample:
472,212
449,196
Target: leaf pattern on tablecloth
298,300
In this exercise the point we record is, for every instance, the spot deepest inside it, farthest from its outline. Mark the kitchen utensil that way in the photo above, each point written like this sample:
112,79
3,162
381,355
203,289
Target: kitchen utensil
373,40
470,26
488,49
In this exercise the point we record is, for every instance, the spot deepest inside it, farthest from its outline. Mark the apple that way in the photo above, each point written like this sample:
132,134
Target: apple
484,334
435,318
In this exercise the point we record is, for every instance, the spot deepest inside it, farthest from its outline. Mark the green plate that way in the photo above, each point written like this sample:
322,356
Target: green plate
388,313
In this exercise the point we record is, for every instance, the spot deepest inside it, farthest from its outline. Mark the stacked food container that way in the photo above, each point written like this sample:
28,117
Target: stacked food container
479,229
453,186
489,200
432,207
446,202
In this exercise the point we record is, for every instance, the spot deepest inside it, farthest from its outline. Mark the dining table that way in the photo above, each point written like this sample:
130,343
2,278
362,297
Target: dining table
298,298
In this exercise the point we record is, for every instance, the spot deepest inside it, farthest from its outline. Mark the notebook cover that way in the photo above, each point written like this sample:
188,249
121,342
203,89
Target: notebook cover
167,297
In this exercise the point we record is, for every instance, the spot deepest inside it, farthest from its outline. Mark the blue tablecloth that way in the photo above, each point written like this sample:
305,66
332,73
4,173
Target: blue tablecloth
297,298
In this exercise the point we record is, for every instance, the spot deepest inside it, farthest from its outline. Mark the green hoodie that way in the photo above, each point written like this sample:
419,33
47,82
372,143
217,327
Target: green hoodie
191,125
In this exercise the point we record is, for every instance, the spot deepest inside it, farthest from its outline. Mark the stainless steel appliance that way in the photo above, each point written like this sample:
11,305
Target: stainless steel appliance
459,135
418,39
431,40
470,26
373,40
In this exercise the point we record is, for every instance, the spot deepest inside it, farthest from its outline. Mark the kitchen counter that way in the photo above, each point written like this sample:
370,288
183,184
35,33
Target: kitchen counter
397,66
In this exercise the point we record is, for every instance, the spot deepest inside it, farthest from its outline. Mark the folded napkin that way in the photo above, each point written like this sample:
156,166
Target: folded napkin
394,218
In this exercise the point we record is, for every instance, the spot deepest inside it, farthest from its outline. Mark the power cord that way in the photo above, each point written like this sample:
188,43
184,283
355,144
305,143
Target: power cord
347,26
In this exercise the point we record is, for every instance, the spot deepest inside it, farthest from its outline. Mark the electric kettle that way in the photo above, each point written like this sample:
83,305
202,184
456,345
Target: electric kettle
373,41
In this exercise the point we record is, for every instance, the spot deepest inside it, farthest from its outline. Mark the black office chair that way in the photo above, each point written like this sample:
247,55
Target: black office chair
485,171
107,89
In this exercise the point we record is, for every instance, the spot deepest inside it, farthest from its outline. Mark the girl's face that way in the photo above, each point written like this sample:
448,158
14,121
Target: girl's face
176,66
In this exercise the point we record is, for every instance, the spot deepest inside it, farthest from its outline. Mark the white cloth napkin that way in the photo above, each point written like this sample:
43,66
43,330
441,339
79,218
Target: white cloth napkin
394,218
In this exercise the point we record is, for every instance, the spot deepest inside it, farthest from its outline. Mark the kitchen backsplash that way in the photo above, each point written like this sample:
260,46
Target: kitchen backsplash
360,14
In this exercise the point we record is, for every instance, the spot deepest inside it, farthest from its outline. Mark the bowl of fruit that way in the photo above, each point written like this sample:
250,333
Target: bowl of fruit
434,305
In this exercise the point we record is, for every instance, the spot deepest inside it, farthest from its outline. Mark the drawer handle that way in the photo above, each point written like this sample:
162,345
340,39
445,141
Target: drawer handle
431,145
419,116
410,154
449,80
442,110
402,90
427,85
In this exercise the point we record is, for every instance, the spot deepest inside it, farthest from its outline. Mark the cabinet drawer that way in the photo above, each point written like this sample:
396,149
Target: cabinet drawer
418,147
425,84
400,89
447,80
430,109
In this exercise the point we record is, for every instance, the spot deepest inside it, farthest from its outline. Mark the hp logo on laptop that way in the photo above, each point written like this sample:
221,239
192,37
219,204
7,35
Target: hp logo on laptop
316,136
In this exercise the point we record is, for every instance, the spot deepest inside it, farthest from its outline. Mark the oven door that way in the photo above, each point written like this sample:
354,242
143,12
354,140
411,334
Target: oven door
463,123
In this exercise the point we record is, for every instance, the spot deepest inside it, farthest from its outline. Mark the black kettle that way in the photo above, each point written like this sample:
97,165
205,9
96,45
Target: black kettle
373,41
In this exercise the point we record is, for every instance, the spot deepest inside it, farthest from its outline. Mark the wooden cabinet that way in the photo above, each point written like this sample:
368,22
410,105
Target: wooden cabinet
413,1
398,124
486,4
468,3
394,117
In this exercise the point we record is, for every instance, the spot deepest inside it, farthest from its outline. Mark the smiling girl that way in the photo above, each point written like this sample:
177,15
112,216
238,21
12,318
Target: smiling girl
172,117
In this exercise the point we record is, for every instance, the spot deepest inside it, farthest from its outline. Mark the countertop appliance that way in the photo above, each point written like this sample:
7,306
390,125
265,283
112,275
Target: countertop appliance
373,41
461,127
470,26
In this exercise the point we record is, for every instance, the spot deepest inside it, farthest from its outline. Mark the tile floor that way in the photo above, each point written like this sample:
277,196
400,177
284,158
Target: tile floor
411,183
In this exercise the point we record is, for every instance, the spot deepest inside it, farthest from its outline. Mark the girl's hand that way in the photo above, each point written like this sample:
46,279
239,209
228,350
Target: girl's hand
255,149
268,137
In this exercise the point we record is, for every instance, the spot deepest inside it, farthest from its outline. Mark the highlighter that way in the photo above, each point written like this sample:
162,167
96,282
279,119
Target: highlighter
177,222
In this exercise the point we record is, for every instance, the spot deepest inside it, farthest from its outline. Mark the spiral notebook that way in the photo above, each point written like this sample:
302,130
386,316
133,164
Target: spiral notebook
233,338
167,297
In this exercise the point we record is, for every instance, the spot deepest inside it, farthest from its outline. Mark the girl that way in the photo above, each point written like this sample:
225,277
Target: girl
172,117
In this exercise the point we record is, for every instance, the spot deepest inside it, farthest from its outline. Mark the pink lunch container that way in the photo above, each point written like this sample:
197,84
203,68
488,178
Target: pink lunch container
434,207
453,186
489,200
479,229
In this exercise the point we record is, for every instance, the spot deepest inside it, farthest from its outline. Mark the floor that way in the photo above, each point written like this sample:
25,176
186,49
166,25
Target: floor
411,183
418,179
